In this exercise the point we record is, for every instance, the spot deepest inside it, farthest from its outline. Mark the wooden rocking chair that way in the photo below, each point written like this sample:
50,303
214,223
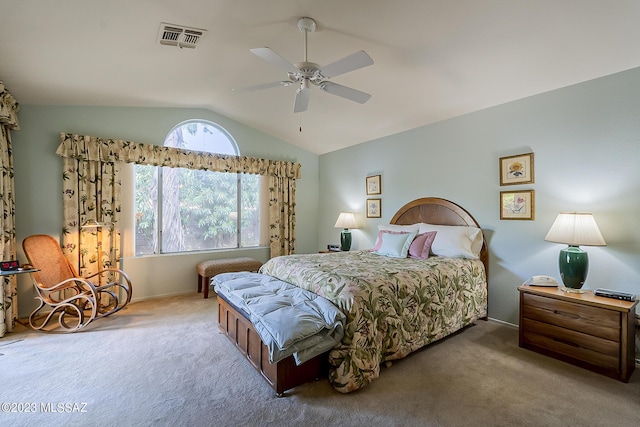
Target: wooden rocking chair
75,300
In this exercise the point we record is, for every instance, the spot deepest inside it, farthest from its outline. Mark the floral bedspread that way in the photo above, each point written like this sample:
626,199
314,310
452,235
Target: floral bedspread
393,306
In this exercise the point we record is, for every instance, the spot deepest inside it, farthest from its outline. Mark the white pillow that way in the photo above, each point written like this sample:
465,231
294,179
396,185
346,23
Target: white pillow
395,245
413,228
455,241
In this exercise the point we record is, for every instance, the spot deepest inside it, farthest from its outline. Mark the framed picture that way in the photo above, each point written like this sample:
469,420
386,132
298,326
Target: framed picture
517,204
374,185
516,169
374,208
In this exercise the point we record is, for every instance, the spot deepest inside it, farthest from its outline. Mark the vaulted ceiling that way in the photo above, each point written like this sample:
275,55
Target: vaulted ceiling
433,59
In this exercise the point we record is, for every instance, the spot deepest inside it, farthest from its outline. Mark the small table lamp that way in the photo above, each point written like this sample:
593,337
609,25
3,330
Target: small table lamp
346,220
575,229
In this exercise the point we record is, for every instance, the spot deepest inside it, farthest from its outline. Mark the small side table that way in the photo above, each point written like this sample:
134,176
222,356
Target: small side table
12,273
18,271
593,332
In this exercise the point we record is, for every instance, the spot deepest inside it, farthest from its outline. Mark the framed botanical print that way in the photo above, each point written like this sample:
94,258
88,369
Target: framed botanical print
374,185
516,169
374,208
517,204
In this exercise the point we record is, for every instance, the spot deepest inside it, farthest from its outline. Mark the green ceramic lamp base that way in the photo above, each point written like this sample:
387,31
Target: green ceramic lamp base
345,240
574,266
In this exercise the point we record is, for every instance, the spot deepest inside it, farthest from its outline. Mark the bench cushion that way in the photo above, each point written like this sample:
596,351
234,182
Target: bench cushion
216,266
289,320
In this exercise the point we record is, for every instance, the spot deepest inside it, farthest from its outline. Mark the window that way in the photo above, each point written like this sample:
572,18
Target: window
182,210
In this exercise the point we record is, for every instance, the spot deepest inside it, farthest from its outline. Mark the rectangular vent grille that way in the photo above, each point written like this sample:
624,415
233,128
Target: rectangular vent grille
176,35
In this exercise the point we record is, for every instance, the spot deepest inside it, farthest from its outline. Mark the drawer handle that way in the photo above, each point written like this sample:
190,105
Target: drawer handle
572,344
565,314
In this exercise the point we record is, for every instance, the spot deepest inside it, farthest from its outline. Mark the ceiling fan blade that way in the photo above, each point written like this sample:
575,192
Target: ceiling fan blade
344,92
302,100
283,83
269,55
352,62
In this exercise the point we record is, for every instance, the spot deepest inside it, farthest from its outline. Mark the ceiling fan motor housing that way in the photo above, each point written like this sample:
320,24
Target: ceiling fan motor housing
306,70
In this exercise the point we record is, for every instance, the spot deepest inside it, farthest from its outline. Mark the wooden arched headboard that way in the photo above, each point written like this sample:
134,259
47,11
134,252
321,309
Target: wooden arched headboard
434,210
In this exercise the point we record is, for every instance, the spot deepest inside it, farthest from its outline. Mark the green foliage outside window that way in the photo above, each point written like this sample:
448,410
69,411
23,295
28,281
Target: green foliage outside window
199,208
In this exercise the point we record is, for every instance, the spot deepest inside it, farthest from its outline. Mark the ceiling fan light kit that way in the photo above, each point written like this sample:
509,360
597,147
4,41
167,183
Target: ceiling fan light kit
306,73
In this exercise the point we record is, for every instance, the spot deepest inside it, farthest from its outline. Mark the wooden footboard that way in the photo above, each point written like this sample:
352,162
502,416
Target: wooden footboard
281,376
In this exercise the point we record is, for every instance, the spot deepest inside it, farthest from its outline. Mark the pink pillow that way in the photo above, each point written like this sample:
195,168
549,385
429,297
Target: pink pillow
379,238
421,245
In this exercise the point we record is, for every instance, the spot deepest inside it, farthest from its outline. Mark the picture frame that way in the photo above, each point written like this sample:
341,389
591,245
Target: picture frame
518,205
374,208
517,169
374,185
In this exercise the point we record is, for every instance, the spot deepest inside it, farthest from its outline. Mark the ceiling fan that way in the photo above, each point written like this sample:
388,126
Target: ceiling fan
306,73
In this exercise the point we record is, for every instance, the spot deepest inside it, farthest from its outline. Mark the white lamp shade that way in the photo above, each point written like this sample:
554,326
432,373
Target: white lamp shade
346,220
575,229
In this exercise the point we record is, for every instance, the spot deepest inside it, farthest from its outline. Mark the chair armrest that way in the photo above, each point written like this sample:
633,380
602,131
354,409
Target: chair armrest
68,283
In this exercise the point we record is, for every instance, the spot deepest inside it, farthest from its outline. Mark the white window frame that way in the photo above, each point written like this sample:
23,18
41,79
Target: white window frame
129,223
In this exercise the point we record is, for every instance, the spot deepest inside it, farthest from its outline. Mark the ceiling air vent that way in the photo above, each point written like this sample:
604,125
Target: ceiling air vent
176,35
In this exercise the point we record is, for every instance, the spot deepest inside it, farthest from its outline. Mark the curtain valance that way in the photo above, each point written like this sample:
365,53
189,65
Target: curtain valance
117,150
8,109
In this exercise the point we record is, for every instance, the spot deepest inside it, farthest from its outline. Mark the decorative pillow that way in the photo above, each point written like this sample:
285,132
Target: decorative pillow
455,241
395,245
421,245
394,229
379,238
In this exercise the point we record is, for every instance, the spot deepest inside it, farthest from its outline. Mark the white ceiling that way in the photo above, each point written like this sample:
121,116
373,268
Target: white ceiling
434,59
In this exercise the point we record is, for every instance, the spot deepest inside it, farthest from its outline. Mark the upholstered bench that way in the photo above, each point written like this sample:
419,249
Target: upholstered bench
207,269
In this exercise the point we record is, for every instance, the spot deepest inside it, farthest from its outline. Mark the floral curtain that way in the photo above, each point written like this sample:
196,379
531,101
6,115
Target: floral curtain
91,211
282,175
282,215
8,285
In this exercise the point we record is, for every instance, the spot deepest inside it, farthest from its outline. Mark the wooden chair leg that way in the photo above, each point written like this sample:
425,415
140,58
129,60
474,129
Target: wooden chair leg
205,285
199,283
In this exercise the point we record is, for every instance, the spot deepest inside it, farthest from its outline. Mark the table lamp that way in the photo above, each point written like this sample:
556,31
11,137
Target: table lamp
346,220
574,229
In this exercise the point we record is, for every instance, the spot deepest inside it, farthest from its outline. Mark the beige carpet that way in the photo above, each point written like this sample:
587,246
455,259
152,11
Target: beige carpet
163,362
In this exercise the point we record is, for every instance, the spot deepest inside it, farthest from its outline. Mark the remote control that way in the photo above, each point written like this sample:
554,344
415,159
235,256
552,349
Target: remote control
609,293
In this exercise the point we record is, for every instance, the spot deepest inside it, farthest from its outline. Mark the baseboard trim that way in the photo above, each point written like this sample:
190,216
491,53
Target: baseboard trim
503,322
170,294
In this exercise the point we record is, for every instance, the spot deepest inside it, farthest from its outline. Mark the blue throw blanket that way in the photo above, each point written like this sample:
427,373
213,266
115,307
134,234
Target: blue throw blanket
289,320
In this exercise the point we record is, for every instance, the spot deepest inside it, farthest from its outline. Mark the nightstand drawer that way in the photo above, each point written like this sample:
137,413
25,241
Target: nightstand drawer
576,317
576,345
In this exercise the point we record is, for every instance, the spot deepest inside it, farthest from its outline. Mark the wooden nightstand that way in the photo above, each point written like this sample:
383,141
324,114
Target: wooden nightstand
593,332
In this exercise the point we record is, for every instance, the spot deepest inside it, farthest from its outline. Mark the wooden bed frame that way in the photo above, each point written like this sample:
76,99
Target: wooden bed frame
433,210
285,375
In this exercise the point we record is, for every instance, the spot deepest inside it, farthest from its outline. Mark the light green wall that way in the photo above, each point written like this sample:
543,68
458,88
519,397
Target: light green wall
39,186
586,143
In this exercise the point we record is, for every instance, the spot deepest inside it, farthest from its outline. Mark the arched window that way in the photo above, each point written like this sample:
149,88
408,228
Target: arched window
182,210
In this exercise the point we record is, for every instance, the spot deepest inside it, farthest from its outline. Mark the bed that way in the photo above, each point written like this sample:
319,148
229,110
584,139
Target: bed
394,305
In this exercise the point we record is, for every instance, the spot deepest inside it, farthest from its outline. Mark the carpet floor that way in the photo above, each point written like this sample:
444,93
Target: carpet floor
163,362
